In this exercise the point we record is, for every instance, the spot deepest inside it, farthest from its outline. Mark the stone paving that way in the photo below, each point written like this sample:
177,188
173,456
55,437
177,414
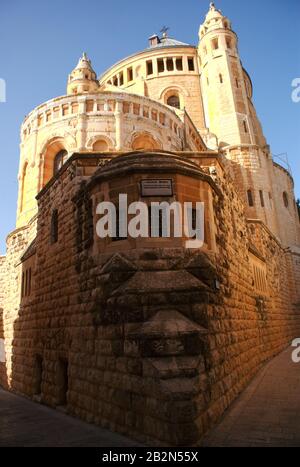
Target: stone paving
25,423
267,413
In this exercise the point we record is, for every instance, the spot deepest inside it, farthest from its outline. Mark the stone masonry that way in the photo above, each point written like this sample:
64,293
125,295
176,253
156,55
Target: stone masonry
144,336
158,342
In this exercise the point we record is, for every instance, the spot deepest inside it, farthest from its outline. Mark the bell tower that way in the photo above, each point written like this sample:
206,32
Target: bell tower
226,86
230,114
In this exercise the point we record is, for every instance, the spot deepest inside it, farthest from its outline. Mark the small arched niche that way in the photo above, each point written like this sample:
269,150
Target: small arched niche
100,146
144,142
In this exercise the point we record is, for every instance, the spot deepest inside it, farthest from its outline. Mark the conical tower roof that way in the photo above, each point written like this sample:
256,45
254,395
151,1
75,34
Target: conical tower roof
83,78
214,20
84,63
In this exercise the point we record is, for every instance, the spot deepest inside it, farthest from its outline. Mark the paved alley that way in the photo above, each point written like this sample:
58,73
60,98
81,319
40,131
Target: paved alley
267,413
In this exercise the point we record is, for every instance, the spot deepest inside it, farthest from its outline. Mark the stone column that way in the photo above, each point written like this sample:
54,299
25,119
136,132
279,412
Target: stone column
155,68
165,64
118,123
185,64
34,129
81,126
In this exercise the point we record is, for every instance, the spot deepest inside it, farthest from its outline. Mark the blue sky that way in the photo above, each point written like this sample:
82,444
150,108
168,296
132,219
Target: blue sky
41,41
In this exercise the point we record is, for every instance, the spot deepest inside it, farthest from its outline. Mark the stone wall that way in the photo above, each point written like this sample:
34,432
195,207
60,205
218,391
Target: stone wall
2,279
154,343
17,242
2,356
287,214
2,290
253,169
293,259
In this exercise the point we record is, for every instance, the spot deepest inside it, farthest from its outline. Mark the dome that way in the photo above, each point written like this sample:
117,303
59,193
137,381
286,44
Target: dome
168,42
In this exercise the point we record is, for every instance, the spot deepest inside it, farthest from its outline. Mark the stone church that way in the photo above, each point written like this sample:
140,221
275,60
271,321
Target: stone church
142,335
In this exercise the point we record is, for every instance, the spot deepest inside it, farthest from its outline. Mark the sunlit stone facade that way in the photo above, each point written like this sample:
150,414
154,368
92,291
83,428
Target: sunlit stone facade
144,336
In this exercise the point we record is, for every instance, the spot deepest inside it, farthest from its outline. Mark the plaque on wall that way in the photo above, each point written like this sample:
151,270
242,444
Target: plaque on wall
157,187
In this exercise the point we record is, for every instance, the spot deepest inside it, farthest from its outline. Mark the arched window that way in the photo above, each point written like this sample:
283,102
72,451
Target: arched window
297,207
174,101
215,44
250,198
285,199
59,160
228,43
271,200
262,200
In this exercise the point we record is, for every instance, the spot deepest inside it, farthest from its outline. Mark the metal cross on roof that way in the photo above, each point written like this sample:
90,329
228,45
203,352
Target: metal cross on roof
164,30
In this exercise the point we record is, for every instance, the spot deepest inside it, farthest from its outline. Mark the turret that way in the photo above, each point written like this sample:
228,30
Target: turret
83,78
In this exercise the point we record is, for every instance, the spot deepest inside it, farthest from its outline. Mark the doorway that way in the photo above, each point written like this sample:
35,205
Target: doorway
62,382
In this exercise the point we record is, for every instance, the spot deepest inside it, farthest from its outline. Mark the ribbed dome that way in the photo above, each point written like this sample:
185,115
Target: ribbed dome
169,42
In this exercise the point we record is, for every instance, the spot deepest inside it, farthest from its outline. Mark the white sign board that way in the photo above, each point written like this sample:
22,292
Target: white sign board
157,187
